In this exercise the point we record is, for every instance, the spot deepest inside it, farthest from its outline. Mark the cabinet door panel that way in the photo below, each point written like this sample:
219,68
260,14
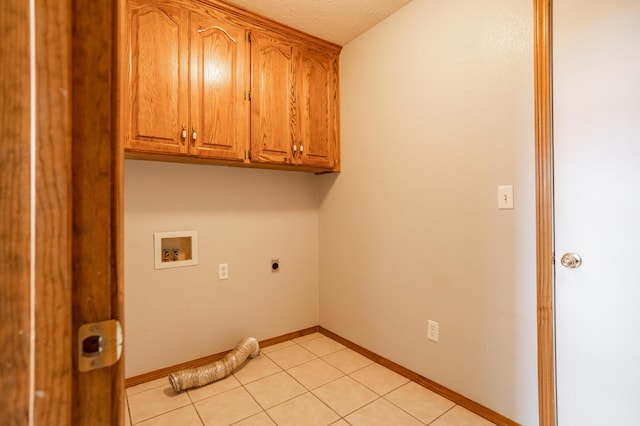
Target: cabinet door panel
219,110
158,79
273,101
318,80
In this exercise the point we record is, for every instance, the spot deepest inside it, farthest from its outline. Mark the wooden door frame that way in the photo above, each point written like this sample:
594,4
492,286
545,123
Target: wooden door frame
544,211
97,177
61,209
15,214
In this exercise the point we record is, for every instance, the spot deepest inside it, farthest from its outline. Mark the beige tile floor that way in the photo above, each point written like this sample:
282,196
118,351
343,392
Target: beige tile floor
311,380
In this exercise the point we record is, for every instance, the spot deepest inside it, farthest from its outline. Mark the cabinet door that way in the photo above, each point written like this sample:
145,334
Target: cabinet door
219,83
317,75
156,101
273,100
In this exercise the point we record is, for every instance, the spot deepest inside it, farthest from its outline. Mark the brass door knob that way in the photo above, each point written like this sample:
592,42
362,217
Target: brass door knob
571,260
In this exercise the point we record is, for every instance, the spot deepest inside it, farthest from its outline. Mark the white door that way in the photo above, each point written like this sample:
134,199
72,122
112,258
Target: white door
596,109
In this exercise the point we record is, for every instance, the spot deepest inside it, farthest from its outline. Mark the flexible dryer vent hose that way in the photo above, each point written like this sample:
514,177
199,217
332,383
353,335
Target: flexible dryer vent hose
200,376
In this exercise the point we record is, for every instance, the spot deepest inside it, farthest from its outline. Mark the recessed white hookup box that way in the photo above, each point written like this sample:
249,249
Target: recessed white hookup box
175,249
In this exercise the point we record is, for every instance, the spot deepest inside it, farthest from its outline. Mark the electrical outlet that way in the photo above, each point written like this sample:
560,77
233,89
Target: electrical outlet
433,330
223,271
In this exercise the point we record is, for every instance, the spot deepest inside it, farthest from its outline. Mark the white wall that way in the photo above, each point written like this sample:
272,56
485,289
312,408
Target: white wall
436,112
244,218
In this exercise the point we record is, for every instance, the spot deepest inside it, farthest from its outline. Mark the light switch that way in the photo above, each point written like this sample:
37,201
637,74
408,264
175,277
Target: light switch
505,197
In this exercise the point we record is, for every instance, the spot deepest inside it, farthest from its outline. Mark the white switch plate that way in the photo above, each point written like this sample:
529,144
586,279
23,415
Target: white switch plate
223,271
505,197
433,330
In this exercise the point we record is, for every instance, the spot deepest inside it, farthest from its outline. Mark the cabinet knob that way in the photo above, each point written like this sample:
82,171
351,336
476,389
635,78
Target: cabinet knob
194,135
184,133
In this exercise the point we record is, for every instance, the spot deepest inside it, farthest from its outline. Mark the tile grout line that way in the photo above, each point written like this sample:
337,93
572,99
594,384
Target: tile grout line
341,417
403,410
310,391
436,419
262,409
193,404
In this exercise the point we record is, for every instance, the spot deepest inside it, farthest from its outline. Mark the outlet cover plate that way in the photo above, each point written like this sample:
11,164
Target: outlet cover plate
223,271
433,330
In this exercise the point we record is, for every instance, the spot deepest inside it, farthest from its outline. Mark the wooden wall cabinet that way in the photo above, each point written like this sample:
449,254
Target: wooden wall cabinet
186,92
318,119
294,103
273,104
210,82
157,99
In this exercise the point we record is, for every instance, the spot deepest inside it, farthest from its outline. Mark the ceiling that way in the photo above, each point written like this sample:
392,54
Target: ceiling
337,21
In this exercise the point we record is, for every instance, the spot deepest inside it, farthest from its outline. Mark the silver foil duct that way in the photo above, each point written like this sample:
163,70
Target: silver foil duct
200,376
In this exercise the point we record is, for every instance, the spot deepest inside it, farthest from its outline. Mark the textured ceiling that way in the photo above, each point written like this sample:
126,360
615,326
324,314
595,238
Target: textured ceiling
337,21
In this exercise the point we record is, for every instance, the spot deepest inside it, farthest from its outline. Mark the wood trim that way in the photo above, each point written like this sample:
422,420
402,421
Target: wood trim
544,210
53,271
15,221
488,414
459,399
98,395
118,10
163,372
220,9
191,159
259,22
289,336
